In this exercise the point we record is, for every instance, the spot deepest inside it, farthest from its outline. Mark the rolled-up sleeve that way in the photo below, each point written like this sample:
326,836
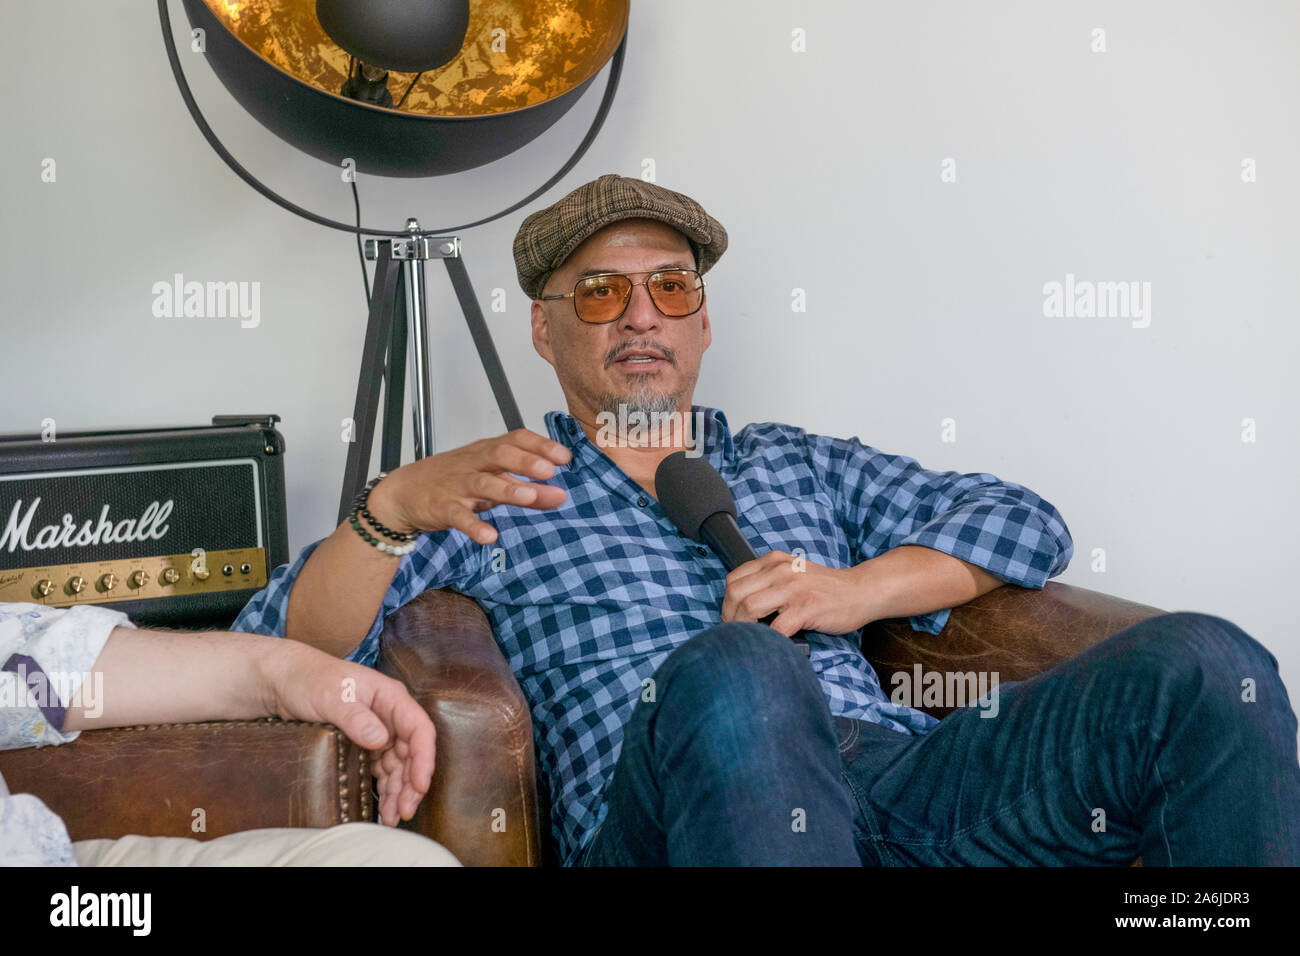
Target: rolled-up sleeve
440,559
884,501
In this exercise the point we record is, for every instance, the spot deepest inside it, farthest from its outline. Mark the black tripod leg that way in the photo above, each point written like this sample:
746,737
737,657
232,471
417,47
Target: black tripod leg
378,337
390,449
487,352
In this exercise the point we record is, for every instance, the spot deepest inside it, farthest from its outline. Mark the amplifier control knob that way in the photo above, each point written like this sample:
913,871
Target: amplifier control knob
107,581
76,584
169,576
201,574
44,587
138,579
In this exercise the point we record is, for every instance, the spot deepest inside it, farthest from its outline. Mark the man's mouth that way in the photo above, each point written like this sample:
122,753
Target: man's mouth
640,361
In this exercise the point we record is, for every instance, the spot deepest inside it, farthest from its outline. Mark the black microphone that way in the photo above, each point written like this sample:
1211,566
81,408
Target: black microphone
697,500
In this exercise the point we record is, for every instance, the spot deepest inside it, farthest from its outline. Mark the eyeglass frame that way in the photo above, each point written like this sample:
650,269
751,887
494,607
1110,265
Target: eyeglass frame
628,275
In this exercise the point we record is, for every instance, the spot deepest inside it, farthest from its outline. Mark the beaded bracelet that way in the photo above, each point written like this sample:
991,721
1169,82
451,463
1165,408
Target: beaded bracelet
359,506
383,546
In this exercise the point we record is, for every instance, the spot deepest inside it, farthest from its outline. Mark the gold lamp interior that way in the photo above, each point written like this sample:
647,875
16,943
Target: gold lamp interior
517,53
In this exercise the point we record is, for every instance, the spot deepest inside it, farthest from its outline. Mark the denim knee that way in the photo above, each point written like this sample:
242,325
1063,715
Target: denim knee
737,667
731,687
764,655
1213,659
1191,639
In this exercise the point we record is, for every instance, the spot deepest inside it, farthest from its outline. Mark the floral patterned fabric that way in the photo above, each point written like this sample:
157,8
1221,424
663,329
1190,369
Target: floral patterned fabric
46,661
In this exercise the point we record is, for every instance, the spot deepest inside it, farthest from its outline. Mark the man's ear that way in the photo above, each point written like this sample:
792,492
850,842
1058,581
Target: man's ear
542,331
704,324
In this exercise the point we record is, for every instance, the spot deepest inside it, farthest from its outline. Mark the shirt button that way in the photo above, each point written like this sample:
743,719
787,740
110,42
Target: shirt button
699,550
642,501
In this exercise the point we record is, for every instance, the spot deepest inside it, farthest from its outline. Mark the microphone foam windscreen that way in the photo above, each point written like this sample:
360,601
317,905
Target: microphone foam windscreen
691,491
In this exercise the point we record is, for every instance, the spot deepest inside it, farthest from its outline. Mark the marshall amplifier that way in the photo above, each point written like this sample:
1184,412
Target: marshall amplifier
176,526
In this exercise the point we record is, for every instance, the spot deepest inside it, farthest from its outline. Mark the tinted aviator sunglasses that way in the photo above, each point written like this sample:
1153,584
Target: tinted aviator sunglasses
603,298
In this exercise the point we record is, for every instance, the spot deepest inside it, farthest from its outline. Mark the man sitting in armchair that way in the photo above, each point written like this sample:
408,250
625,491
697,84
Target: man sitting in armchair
672,726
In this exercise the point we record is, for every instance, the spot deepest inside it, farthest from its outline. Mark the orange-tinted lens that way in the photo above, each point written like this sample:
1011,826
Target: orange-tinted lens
676,293
601,298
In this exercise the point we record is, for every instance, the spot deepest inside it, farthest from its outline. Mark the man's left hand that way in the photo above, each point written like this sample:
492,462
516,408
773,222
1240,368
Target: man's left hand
809,596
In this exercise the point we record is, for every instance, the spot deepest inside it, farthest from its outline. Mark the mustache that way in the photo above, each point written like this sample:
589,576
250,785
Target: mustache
668,354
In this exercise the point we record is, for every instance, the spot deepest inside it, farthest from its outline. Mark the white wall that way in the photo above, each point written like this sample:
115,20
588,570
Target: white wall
925,298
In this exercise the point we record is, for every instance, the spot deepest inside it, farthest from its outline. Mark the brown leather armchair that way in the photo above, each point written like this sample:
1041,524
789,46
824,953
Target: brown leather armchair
487,804
489,807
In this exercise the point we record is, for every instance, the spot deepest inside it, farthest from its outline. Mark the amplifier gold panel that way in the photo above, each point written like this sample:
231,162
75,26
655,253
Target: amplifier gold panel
132,579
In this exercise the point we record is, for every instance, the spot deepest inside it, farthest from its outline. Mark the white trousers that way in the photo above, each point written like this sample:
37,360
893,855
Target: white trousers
348,844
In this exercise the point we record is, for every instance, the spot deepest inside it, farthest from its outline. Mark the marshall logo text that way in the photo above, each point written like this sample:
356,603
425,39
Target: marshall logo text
17,532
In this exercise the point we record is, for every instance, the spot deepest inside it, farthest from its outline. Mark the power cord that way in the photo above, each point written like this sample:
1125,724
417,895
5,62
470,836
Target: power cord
365,276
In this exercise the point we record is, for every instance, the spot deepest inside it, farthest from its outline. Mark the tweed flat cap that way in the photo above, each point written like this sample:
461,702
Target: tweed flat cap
547,237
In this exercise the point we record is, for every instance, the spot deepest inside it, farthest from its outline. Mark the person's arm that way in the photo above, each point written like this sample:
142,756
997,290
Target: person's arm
927,541
340,589
146,677
910,581
151,677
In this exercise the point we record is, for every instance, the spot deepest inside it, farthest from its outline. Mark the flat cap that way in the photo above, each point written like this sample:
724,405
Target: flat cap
547,237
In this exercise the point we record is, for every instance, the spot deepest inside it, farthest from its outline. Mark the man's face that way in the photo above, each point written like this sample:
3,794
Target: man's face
585,356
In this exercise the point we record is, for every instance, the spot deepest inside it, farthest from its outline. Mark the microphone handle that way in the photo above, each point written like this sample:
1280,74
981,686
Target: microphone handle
721,533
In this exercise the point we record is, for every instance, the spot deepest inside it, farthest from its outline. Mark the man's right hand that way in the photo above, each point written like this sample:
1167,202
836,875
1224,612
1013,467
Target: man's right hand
447,490
341,588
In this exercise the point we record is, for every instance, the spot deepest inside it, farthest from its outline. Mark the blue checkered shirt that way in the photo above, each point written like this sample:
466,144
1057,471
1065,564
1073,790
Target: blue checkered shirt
588,599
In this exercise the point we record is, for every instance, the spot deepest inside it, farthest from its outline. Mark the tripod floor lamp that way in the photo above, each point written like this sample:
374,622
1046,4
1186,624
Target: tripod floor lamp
405,88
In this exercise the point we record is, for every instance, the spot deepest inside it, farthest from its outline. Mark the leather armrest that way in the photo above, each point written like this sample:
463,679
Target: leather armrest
482,804
1017,632
151,780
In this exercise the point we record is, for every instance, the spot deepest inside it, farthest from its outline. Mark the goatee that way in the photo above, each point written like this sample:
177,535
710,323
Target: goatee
645,400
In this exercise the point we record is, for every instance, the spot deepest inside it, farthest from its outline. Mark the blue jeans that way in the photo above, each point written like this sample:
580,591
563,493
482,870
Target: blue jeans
1145,744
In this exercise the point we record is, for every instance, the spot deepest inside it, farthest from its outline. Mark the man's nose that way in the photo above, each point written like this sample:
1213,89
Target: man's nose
641,312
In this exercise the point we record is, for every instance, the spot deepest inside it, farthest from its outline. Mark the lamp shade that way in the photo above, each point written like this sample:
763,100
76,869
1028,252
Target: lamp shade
522,65
414,35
